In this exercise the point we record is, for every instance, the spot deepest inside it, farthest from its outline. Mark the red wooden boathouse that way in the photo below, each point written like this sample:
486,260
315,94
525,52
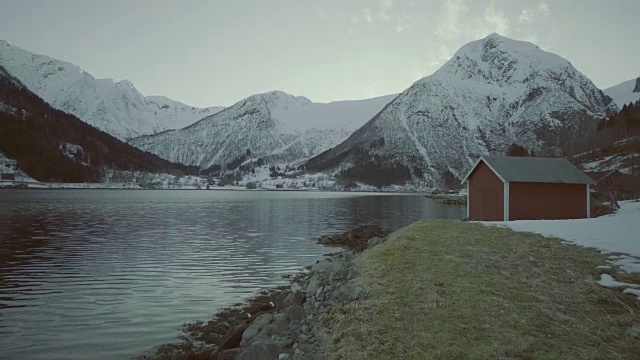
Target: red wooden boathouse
503,188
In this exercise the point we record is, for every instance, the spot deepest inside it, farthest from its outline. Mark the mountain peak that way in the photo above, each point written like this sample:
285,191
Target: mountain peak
495,36
624,93
496,41
493,92
283,97
124,82
498,60
115,107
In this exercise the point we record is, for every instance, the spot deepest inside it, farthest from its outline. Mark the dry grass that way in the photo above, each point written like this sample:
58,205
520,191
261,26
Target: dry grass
454,290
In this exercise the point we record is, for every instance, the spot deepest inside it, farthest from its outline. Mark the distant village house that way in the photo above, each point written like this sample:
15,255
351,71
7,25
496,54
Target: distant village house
8,169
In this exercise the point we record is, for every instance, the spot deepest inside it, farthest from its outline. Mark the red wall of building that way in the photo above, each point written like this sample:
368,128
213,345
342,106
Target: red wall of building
547,201
486,195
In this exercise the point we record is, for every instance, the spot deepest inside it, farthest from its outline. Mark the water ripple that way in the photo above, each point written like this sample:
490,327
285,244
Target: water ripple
108,274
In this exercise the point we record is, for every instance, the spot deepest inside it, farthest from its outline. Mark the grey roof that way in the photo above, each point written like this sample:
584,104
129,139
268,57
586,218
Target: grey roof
541,170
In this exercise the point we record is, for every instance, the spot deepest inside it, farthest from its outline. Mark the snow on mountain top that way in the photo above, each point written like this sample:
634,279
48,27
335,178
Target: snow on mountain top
274,126
283,99
499,60
298,114
503,68
115,107
494,92
625,92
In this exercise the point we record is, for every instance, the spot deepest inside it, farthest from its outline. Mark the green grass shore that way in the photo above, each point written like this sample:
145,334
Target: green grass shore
456,290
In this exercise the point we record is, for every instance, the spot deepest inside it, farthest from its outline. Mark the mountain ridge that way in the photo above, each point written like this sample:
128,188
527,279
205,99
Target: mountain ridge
626,92
274,126
493,92
116,107
51,145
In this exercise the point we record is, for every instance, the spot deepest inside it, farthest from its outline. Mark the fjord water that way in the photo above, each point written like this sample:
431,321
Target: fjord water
108,274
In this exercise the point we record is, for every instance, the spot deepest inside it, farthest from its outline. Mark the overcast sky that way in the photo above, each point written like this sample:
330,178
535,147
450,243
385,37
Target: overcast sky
217,52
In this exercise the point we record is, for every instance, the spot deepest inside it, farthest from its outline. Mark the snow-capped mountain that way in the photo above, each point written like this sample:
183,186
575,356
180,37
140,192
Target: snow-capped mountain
114,107
274,126
493,92
625,93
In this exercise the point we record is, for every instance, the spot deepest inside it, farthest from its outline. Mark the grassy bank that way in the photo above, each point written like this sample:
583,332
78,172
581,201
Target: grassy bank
440,289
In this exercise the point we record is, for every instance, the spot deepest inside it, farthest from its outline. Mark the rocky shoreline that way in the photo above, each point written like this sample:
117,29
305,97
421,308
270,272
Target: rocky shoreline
286,322
448,199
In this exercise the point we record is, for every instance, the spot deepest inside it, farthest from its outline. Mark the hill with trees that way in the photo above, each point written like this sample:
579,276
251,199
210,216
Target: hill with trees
51,145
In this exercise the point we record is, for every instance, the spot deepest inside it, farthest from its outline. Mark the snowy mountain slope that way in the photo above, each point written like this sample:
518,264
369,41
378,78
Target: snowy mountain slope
274,126
492,93
114,107
51,145
625,93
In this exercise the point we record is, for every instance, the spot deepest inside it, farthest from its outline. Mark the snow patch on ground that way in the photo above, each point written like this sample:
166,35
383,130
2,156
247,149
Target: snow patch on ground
607,280
635,292
614,233
610,163
10,167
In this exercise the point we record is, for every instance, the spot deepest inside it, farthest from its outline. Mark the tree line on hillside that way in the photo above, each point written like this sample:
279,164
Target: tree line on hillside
607,131
36,136
625,124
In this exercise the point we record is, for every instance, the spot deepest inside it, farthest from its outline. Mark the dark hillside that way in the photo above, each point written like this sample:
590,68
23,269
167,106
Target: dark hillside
51,145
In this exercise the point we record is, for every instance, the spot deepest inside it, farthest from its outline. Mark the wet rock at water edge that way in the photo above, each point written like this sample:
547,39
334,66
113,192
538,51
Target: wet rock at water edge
298,298
375,241
295,312
260,351
229,354
231,340
355,239
255,328
284,299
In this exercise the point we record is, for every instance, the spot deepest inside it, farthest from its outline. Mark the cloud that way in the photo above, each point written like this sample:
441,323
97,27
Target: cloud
544,9
320,14
528,15
386,3
384,17
460,23
494,20
367,15
450,23
401,27
402,22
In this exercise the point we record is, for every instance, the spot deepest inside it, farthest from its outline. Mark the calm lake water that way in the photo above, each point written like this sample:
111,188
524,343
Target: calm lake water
108,274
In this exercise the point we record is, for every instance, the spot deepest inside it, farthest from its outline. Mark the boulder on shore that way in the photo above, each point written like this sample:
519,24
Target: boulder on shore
356,239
